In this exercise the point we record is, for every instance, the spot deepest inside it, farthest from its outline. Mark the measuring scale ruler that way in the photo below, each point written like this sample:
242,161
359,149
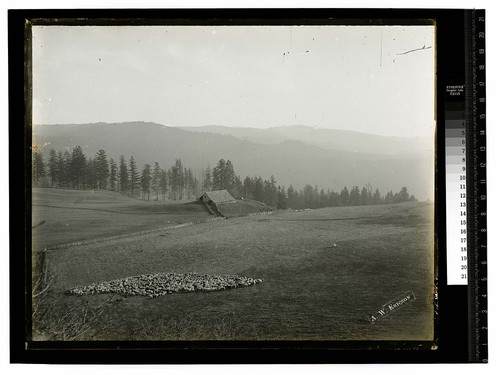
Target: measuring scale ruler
465,153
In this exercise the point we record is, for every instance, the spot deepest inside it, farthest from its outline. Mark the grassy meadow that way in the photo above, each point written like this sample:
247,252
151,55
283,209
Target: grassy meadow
324,271
79,215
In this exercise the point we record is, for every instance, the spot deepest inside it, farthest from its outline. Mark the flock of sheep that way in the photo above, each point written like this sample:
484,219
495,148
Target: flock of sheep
160,284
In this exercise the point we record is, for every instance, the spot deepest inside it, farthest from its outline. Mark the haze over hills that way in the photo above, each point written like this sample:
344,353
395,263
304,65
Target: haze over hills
331,139
292,154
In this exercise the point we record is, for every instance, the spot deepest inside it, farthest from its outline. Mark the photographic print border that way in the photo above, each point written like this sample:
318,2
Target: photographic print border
451,317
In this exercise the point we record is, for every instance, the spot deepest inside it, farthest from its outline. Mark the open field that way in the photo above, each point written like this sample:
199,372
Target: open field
324,272
242,208
78,215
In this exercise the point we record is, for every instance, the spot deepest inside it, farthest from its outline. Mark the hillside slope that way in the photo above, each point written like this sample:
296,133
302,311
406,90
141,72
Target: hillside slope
62,216
290,161
330,139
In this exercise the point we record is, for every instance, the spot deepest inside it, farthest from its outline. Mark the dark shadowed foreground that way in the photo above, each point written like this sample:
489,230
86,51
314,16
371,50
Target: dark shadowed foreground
324,272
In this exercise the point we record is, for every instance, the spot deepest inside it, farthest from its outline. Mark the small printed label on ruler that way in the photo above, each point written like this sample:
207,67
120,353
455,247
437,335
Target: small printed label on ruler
455,90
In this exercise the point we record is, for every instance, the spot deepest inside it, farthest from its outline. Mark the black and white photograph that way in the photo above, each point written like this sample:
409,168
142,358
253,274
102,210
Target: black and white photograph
233,182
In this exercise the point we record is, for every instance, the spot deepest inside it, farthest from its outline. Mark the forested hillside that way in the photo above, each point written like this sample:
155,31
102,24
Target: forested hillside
291,162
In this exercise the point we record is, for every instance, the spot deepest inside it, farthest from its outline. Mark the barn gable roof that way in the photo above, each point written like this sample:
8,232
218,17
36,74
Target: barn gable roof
219,196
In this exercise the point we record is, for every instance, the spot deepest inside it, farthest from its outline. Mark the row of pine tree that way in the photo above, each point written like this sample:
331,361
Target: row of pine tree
76,171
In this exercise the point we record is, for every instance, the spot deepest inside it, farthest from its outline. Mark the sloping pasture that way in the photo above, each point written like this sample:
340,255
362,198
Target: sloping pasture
324,273
63,216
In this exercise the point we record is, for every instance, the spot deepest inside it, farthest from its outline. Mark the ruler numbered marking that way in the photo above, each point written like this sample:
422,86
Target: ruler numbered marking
478,276
456,193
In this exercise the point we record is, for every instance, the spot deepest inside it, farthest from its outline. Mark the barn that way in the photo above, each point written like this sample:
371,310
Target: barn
214,199
222,204
217,197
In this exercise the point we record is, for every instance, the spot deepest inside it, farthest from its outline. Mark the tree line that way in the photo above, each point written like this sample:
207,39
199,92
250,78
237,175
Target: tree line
74,170
274,195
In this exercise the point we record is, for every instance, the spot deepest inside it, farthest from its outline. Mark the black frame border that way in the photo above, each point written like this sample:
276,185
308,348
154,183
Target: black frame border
452,332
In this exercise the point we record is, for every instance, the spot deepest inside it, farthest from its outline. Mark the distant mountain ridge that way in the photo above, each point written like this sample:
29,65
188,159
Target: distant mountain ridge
331,139
280,152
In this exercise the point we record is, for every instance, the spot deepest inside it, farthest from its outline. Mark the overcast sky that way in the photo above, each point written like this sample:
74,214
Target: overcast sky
366,78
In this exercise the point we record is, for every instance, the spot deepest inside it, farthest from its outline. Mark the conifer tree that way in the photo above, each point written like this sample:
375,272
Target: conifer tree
228,176
133,177
355,196
176,179
207,179
65,168
123,179
90,178
218,175
101,169
248,187
146,180
281,202
364,196
112,175
389,197
377,199
403,194
344,197
38,167
163,183
292,198
52,164
156,179
77,168
258,194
